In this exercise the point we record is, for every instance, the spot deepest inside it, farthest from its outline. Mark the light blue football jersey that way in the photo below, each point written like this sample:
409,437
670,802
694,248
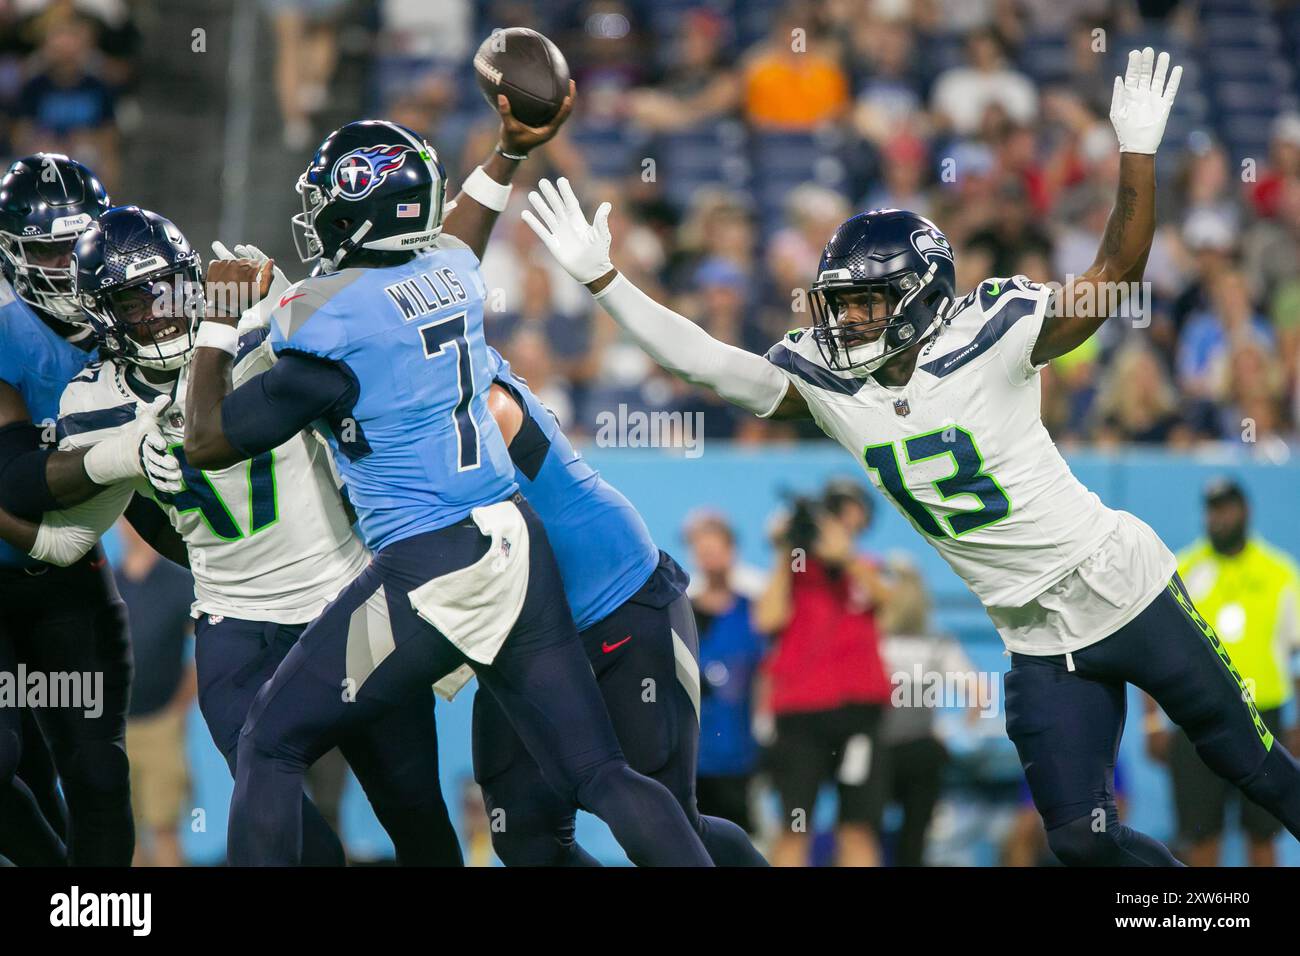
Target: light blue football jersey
418,448
38,363
600,541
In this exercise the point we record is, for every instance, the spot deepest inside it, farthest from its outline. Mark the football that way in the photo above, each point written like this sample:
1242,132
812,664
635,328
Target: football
528,68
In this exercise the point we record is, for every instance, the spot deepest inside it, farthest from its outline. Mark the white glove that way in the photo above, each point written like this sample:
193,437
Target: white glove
161,469
138,450
582,248
1140,105
259,316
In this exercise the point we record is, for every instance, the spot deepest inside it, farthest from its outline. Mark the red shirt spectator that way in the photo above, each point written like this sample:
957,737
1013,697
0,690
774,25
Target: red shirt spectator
829,653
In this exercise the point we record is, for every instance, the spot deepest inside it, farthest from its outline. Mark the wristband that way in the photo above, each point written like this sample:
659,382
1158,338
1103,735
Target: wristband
514,156
215,335
609,288
485,190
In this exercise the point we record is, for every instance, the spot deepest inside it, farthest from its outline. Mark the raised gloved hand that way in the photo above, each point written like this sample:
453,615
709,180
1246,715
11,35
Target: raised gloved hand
581,247
259,316
1140,105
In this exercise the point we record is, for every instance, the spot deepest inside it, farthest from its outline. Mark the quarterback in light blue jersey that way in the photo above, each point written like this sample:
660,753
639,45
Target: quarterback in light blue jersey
382,348
418,453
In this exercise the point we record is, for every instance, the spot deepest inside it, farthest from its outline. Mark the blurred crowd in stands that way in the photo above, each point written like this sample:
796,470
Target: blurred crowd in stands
734,136
67,72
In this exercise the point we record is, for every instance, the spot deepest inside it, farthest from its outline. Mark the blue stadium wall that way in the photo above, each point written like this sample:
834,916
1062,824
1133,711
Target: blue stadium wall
746,485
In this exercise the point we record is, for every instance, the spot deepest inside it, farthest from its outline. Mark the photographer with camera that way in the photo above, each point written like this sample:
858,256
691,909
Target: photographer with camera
825,684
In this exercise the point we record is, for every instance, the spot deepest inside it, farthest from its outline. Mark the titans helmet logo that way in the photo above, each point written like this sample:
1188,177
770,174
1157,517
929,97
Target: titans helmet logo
358,173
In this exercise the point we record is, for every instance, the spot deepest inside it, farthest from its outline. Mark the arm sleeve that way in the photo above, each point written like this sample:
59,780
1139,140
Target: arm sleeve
690,353
66,536
269,409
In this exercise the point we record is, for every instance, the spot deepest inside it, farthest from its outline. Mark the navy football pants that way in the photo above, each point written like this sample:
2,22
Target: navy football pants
67,621
646,661
540,676
1066,725
395,760
650,684
33,816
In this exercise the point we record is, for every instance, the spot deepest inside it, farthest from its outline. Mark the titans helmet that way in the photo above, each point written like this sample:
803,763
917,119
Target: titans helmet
902,267
141,285
46,201
371,185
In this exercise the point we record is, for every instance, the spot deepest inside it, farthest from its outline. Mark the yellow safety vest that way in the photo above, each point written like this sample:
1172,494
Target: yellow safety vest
1252,599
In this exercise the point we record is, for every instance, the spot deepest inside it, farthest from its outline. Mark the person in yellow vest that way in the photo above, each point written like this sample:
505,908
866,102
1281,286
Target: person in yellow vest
1249,591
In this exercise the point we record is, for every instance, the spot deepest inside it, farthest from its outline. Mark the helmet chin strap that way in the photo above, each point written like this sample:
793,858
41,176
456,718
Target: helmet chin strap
348,245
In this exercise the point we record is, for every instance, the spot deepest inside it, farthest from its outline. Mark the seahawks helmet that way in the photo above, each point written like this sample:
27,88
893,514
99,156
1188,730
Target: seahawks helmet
371,185
141,285
46,201
903,267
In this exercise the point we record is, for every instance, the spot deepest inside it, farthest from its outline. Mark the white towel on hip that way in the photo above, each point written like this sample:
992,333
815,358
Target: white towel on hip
475,607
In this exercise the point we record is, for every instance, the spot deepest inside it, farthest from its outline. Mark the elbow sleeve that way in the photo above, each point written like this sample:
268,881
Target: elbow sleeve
269,409
64,537
24,491
60,542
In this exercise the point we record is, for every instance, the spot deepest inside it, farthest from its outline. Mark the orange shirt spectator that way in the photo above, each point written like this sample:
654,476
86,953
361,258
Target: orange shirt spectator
795,91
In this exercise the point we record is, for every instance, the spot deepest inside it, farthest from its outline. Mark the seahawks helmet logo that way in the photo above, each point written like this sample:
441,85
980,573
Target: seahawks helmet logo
929,242
359,173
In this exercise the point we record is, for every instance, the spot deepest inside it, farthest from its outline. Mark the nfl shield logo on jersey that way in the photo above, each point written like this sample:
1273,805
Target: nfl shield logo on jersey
901,407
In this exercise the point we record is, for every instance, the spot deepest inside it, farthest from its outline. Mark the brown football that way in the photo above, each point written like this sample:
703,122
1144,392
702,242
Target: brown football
528,68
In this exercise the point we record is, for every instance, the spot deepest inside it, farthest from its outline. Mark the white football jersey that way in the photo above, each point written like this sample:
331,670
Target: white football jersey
268,538
962,452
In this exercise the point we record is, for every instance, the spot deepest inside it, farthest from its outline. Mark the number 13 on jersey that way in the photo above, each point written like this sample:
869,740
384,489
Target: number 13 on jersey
968,478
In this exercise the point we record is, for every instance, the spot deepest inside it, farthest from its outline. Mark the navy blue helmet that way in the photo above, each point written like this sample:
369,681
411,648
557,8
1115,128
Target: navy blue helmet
897,268
371,185
46,201
141,285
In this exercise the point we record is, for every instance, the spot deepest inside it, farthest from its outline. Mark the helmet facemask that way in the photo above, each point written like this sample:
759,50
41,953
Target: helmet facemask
31,261
305,238
901,310
151,321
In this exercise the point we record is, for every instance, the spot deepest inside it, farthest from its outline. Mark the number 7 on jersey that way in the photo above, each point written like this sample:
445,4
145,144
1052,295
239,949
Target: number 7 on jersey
449,335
